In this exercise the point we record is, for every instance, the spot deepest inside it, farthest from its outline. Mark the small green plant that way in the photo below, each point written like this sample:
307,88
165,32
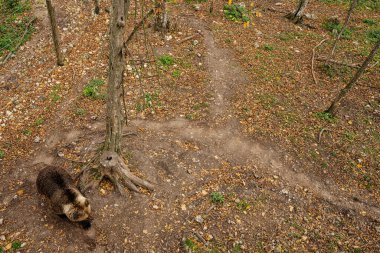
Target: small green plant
200,106
243,205
325,116
236,12
1,249
334,26
166,60
189,116
39,122
236,247
16,245
2,154
54,93
176,73
150,100
349,136
80,111
92,89
27,132
268,47
369,21
190,244
374,35
217,197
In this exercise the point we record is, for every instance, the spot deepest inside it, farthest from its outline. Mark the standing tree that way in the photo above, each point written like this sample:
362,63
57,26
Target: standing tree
297,16
333,107
113,166
161,22
349,13
54,30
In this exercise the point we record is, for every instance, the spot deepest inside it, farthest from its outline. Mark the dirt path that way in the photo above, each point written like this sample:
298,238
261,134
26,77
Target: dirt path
187,160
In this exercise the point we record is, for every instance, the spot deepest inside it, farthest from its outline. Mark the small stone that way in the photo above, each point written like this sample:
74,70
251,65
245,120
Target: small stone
168,37
204,193
2,237
291,208
199,219
256,45
145,231
37,139
284,191
310,16
155,207
61,154
275,177
377,229
258,32
183,207
197,7
278,4
195,42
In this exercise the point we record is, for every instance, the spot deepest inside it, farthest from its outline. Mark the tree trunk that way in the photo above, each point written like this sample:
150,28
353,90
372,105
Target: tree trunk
296,17
333,108
350,10
113,166
162,22
97,7
115,116
54,30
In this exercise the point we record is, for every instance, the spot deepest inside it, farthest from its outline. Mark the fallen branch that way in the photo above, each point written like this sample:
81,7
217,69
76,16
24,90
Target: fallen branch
321,133
6,58
352,65
188,38
312,60
137,26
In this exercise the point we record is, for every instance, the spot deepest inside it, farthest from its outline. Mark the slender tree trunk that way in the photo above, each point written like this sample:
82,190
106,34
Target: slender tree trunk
115,116
162,22
296,17
97,7
54,30
349,13
333,108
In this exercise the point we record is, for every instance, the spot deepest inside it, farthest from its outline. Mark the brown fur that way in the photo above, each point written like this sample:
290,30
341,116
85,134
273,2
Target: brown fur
58,186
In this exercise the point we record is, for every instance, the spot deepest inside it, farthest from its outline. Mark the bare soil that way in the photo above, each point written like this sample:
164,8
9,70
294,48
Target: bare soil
227,124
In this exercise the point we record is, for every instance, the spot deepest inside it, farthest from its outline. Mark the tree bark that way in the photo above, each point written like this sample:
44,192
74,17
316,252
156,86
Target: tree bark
162,22
115,116
97,7
333,108
296,17
349,13
54,30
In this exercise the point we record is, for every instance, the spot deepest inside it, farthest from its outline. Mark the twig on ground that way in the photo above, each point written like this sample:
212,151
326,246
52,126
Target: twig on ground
321,133
199,237
352,65
188,38
312,61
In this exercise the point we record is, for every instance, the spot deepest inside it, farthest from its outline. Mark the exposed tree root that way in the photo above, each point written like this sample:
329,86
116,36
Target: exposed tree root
296,19
113,168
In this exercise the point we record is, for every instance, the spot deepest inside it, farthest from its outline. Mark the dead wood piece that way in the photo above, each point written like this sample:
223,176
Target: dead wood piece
321,133
312,60
188,38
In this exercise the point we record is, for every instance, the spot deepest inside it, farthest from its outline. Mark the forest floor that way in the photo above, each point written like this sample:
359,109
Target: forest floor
226,123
